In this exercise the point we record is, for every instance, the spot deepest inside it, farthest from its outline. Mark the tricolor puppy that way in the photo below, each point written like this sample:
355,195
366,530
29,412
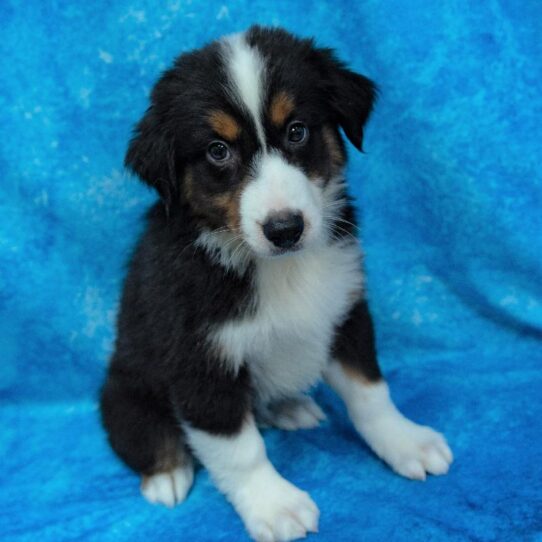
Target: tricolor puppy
247,285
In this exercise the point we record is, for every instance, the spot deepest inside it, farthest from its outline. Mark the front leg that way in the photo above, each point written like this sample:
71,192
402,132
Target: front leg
410,449
220,429
271,508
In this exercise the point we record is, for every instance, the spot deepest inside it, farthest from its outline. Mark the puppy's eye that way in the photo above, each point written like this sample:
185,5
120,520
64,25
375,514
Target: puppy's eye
217,151
297,132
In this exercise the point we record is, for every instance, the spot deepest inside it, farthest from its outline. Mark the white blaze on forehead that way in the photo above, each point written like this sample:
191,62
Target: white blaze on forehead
246,69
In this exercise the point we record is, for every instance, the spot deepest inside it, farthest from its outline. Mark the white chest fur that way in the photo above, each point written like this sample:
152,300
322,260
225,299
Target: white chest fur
301,299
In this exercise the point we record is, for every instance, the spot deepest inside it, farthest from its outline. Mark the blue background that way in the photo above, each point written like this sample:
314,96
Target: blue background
451,198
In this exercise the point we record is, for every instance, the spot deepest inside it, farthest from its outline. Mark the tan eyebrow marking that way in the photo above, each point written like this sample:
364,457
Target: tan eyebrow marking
224,125
281,107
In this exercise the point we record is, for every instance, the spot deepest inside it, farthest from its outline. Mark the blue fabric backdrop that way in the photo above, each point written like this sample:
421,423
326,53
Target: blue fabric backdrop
451,193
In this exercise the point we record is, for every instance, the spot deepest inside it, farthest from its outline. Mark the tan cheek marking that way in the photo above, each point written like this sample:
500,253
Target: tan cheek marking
224,125
330,139
281,107
188,184
230,203
197,200
336,157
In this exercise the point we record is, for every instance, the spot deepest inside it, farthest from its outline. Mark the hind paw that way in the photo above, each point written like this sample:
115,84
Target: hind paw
168,488
294,413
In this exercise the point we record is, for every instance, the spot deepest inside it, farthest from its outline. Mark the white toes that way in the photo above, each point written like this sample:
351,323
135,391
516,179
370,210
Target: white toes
296,413
159,489
261,532
168,488
283,522
420,451
411,468
312,407
290,529
298,419
435,462
182,481
411,450
444,450
309,518
277,511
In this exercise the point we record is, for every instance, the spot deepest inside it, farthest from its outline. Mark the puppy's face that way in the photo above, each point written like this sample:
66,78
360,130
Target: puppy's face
244,133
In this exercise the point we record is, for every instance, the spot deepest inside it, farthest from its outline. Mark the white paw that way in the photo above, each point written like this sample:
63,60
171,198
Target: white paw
410,449
274,510
294,413
168,488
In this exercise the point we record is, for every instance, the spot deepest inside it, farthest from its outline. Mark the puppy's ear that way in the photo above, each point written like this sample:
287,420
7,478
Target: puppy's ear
151,155
350,95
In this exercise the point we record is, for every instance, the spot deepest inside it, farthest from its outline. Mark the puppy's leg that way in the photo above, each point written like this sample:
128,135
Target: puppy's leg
145,435
410,449
222,434
271,507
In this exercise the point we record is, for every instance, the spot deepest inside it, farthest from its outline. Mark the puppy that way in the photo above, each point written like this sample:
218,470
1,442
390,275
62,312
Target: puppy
247,285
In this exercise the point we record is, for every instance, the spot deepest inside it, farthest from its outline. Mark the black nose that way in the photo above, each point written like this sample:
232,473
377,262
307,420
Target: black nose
284,229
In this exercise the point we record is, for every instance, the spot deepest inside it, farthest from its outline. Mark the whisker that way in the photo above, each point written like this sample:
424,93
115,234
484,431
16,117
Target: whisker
348,222
231,241
219,230
237,249
335,227
336,203
330,233
338,219
246,257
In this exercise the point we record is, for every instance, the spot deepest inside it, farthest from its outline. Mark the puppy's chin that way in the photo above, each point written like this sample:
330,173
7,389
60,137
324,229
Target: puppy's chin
274,252
265,250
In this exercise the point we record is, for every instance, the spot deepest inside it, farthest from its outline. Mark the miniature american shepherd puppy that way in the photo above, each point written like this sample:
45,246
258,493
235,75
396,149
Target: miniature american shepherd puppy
247,285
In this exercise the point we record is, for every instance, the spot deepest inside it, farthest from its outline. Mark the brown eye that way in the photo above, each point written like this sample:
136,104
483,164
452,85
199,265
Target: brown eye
217,151
297,132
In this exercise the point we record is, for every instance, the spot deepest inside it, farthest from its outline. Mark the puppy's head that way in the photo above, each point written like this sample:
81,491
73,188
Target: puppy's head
244,133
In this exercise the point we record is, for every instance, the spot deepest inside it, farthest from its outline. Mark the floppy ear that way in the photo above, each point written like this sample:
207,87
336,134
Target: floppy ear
151,155
350,95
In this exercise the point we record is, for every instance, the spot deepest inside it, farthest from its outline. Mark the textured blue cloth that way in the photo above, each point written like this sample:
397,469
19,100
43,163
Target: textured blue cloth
451,193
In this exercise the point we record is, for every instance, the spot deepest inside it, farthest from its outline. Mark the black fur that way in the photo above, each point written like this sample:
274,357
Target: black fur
344,97
163,371
355,343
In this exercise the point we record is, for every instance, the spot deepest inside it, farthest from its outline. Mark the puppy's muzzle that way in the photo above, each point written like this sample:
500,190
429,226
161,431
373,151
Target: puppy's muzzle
284,229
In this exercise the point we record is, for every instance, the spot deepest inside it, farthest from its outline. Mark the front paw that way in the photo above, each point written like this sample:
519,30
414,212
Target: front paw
274,510
410,449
